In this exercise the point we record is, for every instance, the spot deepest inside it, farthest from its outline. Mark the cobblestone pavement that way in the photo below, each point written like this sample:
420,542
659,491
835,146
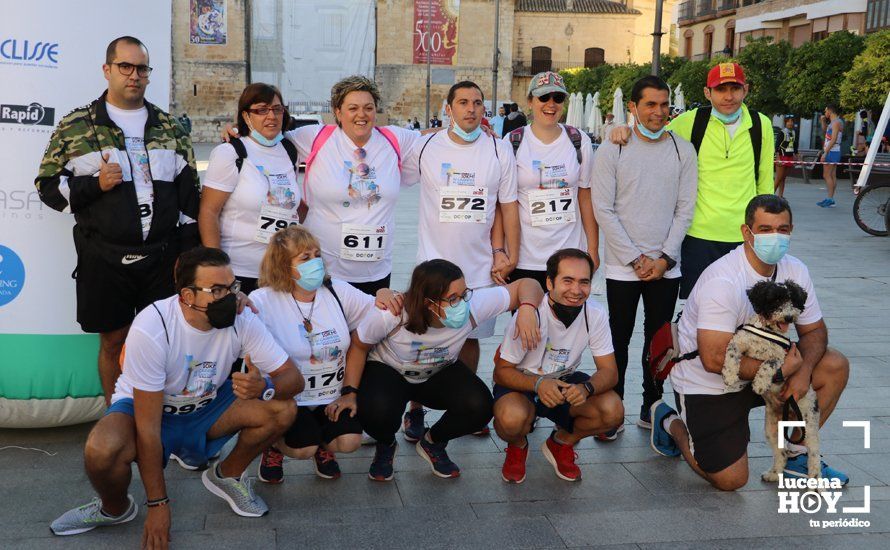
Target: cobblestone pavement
629,497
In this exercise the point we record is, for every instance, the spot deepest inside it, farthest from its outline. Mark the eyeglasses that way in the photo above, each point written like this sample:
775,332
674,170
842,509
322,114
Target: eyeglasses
126,69
454,300
277,110
558,97
220,291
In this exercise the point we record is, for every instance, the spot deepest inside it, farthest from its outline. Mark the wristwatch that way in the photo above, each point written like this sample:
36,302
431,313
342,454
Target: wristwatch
269,392
670,261
589,387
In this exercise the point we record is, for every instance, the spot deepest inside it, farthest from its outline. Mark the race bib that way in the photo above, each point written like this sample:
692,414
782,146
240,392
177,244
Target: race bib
363,243
326,367
272,219
145,203
551,206
463,204
186,404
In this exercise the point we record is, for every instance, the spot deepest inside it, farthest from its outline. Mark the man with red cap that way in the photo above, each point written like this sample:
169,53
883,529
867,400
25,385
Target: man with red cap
735,163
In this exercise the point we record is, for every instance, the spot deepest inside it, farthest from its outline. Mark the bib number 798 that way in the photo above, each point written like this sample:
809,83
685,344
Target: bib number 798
266,222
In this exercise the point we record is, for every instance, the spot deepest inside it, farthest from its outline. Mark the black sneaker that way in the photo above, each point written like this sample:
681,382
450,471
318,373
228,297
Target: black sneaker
326,464
271,467
435,455
413,425
381,467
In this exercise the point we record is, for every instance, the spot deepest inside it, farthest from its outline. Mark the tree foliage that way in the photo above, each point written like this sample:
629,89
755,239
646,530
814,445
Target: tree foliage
693,75
815,71
867,83
763,61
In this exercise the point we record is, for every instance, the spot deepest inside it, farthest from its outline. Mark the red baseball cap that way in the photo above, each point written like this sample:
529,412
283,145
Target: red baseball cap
724,73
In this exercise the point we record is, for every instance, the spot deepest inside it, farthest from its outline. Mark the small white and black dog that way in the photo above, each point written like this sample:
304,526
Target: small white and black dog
762,337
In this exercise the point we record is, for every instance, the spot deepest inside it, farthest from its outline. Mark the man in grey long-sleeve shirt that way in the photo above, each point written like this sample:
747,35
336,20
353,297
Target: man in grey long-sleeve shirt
643,197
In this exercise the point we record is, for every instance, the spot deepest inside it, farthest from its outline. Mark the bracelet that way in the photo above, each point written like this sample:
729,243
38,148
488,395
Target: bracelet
538,383
589,387
157,502
346,390
496,250
527,304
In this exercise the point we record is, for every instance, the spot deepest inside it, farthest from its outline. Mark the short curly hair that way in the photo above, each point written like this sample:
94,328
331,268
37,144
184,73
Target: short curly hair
354,83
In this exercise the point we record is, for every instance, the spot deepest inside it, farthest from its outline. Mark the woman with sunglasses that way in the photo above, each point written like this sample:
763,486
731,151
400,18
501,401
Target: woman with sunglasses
394,359
554,164
311,315
250,188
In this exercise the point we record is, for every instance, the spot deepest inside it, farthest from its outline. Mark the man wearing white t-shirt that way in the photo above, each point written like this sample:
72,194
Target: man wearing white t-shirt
174,396
126,170
465,175
544,381
711,429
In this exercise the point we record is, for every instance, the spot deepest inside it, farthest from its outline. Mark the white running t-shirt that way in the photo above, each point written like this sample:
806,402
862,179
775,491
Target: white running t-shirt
719,301
352,200
461,185
548,179
135,168
561,349
264,198
321,355
419,356
165,353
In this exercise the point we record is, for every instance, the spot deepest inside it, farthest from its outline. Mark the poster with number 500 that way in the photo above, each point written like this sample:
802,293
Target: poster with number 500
435,31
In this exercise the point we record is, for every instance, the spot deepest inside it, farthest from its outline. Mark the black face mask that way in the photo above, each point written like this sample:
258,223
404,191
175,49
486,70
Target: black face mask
566,314
221,313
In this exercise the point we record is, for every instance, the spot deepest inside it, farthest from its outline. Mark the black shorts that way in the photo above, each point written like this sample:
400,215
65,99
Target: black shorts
558,414
371,287
540,276
695,256
248,284
718,426
312,427
111,293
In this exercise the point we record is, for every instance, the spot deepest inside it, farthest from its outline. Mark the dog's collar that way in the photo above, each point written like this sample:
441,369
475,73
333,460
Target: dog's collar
773,337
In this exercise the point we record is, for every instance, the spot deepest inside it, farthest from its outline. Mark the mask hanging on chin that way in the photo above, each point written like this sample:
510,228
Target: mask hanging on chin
263,140
466,136
566,314
727,119
646,131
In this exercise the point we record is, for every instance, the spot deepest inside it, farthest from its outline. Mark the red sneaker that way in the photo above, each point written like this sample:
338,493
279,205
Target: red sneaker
562,458
514,465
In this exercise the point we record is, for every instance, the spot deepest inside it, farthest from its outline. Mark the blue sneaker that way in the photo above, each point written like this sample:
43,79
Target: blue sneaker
797,467
413,425
661,441
435,455
381,466
829,203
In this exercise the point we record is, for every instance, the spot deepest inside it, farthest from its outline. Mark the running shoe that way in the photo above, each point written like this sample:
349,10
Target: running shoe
187,465
238,492
797,467
381,466
437,457
611,435
645,420
326,464
484,432
562,458
89,516
413,425
829,203
271,468
513,470
660,440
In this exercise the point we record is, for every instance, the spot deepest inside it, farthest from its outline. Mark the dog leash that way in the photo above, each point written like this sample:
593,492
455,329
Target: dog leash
791,406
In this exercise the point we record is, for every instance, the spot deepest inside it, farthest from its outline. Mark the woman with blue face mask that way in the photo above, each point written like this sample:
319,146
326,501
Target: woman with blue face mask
250,189
311,316
414,356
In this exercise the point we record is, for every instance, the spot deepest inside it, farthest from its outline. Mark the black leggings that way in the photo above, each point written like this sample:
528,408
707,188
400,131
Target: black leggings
384,392
371,287
659,299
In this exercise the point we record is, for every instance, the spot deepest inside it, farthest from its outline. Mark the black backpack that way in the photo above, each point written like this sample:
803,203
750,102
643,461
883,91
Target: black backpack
700,124
241,151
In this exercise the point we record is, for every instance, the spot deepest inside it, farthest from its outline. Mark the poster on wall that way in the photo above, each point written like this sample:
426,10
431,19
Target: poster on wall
207,22
435,31
48,373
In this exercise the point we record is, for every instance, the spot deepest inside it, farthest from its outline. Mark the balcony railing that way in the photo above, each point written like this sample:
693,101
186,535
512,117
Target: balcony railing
691,9
525,67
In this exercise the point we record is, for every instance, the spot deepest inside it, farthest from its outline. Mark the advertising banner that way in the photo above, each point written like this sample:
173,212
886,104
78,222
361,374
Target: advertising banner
49,65
435,30
207,22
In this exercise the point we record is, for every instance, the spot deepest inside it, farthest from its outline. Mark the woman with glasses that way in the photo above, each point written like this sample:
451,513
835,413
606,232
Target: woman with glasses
394,359
250,188
554,164
310,315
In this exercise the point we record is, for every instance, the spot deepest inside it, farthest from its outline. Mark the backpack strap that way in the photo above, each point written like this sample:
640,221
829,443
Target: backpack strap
699,126
494,142
330,286
575,137
391,138
240,151
291,151
164,324
756,131
420,155
516,138
320,139
677,149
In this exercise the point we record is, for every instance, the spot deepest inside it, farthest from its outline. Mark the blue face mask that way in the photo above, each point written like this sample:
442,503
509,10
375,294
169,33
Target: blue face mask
311,274
727,119
263,140
649,133
456,316
467,136
771,247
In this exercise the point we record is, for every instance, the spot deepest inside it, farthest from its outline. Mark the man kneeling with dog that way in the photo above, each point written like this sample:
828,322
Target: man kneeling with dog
710,426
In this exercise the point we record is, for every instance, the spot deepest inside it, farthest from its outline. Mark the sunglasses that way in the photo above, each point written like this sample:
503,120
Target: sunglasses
558,97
